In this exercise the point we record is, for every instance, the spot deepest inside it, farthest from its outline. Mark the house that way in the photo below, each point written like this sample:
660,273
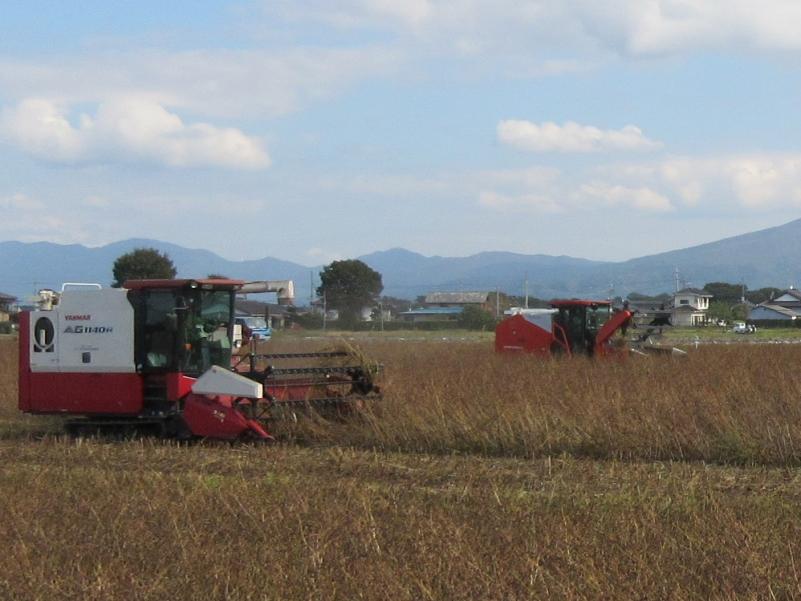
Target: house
651,312
6,302
447,306
460,299
368,313
690,307
276,315
427,314
786,307
377,313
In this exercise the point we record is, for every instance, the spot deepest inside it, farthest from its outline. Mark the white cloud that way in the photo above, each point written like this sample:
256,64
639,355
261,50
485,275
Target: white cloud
571,137
528,202
323,256
754,181
137,129
28,219
536,176
642,198
96,202
662,27
629,27
548,190
721,185
217,83
20,202
409,12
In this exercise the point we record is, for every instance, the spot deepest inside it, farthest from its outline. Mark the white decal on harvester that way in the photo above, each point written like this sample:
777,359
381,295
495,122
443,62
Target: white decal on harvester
88,330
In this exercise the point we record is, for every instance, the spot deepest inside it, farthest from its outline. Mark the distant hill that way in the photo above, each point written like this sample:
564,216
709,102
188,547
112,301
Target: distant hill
770,257
26,267
408,274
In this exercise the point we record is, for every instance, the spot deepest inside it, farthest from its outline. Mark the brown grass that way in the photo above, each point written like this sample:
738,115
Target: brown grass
735,404
586,518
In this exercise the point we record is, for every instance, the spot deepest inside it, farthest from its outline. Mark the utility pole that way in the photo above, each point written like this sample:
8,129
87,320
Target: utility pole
325,311
497,302
676,277
311,288
526,290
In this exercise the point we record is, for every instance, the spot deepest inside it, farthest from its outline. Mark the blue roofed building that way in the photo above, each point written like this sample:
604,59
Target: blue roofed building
785,308
423,314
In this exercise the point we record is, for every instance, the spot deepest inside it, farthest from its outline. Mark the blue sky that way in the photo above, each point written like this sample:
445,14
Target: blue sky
311,130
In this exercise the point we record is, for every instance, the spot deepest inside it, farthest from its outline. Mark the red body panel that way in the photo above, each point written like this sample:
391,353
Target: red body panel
24,361
618,320
574,302
217,418
517,334
84,393
178,386
152,284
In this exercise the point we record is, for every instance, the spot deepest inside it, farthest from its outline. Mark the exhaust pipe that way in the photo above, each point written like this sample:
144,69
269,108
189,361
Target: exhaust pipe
284,289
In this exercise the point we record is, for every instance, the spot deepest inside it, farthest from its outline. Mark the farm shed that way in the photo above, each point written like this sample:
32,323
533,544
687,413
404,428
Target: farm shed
431,314
459,299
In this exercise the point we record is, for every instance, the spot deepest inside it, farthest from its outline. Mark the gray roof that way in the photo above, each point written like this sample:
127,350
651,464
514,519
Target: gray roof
7,297
649,306
693,291
457,298
250,307
779,309
434,311
688,309
792,292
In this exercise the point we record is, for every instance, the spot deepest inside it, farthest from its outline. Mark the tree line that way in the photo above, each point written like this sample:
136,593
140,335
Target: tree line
349,286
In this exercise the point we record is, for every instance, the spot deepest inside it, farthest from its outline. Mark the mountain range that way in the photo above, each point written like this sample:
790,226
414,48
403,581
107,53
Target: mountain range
769,257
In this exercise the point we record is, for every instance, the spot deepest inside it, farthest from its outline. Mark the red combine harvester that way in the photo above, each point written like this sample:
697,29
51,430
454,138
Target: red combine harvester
158,353
569,327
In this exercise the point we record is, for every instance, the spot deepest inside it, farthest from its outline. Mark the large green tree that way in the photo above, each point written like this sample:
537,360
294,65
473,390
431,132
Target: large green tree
725,292
141,264
476,318
763,294
349,286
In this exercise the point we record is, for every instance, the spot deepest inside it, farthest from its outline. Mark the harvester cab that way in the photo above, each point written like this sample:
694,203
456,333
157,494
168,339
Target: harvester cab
160,353
569,327
182,326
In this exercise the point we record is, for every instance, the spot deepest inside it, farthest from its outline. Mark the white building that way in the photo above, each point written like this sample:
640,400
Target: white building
690,307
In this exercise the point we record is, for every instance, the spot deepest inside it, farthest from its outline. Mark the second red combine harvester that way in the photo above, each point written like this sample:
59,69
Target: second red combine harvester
159,353
569,327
